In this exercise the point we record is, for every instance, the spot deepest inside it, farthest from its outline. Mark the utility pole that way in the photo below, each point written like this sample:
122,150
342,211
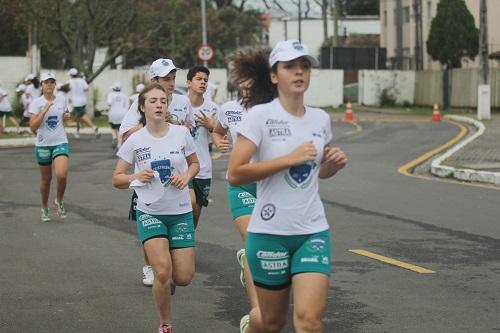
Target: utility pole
300,20
483,90
399,34
335,15
204,27
417,8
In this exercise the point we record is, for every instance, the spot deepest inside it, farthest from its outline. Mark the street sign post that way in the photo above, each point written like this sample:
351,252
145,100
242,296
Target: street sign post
205,52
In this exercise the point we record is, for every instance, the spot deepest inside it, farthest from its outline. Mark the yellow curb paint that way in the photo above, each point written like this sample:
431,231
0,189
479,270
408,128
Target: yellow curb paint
391,261
410,165
358,126
216,155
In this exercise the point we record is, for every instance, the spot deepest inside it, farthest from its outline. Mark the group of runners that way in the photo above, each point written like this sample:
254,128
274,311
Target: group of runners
278,147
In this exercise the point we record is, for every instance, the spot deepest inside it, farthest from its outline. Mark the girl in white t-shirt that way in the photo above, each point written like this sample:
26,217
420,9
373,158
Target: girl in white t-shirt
164,162
288,238
47,115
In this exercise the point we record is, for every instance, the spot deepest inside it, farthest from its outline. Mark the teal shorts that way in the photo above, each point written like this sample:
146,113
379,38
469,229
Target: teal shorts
78,111
274,259
178,229
201,188
241,199
45,155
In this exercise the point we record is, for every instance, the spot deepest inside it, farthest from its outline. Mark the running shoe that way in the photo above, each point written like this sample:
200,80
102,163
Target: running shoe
96,133
147,276
45,215
166,329
239,256
59,208
244,322
76,135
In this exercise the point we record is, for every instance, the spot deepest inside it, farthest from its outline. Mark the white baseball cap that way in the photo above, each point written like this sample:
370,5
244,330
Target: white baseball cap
73,71
139,88
116,86
289,50
29,77
161,68
148,192
47,76
21,88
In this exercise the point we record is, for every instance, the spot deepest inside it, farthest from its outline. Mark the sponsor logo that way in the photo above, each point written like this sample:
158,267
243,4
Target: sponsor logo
316,245
298,46
268,212
274,265
248,201
325,261
177,238
184,204
279,131
276,122
182,227
242,195
233,119
45,153
164,169
52,122
300,175
142,154
189,236
148,221
310,259
272,254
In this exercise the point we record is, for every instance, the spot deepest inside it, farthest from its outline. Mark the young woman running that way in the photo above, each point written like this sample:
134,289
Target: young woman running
164,162
79,99
163,72
47,115
288,238
242,198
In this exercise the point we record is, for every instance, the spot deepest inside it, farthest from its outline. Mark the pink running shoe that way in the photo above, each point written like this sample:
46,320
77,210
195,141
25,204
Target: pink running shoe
166,329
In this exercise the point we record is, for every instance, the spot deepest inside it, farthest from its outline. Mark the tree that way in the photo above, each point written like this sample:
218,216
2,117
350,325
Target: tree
358,7
14,36
453,34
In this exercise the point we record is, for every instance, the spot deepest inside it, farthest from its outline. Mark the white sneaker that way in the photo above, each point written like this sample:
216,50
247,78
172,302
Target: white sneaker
76,135
244,322
147,276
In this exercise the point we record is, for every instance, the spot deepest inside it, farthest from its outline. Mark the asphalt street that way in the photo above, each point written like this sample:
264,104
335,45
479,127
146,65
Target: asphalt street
83,274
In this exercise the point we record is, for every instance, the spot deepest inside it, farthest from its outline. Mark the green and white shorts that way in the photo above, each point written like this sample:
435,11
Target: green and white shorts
241,199
178,229
45,155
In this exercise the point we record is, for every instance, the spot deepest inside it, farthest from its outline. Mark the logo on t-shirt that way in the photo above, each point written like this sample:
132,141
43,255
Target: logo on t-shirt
268,212
278,128
52,122
300,175
164,169
143,153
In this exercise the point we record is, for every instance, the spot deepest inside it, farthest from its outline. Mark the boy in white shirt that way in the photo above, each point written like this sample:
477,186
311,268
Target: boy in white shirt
118,106
78,98
204,113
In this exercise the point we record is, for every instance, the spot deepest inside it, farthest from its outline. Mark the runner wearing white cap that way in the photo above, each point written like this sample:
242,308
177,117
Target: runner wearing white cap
25,100
164,72
78,99
164,159
32,86
6,110
118,106
138,89
47,115
284,146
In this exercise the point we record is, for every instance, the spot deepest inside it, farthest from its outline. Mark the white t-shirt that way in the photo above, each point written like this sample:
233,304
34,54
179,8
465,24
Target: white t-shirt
78,91
288,202
34,92
118,106
180,108
201,136
209,92
167,155
230,117
133,98
25,101
5,105
51,131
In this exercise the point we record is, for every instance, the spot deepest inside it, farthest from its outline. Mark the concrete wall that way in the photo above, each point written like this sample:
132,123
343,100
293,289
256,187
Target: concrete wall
13,70
428,87
326,88
399,84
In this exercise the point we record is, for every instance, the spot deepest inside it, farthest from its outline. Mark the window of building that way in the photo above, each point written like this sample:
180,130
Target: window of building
385,18
406,14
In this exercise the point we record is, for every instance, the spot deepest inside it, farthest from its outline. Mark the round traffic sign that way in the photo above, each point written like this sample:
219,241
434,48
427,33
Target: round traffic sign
205,52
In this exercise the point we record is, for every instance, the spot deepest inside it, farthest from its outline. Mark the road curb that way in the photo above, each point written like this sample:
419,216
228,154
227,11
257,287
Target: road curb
30,141
471,175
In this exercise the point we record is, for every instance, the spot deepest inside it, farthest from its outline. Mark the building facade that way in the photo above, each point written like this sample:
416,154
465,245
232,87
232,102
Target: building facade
405,39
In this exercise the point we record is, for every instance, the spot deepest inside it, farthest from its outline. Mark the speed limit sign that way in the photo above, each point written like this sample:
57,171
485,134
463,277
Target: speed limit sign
205,52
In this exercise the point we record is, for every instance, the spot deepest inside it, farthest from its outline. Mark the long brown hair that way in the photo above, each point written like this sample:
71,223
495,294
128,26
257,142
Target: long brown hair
253,64
142,99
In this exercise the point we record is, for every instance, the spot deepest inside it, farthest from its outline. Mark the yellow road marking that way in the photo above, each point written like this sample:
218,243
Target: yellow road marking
391,261
410,165
358,126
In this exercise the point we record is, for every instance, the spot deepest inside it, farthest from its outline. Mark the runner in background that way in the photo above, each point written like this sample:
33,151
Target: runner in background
6,111
118,107
78,99
47,115
138,89
205,112
32,86
25,100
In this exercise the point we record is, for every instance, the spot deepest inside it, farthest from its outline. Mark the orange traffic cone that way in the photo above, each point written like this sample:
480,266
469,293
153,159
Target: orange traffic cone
348,111
436,115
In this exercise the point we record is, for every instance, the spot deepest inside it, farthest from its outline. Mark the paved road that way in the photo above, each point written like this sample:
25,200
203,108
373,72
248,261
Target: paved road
83,274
